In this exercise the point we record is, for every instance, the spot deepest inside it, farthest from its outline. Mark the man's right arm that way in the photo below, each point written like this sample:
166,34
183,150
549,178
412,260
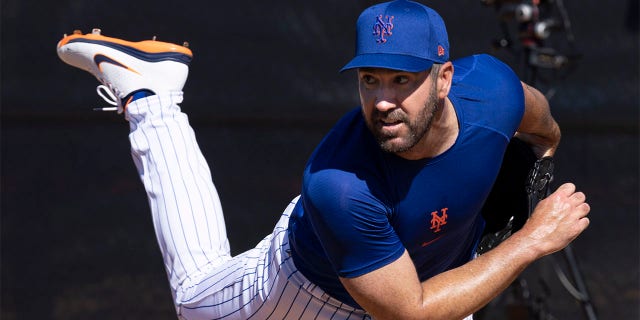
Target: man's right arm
538,127
394,291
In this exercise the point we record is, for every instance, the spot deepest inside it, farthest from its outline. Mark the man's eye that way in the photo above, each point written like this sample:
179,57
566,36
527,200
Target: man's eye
368,79
402,79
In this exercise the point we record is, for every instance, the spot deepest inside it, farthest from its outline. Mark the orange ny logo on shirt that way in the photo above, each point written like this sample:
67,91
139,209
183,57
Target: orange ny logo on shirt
438,221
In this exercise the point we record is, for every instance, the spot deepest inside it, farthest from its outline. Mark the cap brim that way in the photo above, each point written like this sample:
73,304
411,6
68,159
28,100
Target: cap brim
388,61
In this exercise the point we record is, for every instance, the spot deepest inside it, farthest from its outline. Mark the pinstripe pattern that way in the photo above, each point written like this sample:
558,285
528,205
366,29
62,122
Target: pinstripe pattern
207,282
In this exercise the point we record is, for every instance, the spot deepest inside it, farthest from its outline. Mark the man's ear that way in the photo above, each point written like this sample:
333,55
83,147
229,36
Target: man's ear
445,77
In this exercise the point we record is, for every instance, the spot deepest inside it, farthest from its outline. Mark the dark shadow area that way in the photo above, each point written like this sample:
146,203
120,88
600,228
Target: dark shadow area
76,235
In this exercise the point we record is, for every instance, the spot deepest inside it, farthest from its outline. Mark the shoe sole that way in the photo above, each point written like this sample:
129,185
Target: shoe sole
147,50
125,66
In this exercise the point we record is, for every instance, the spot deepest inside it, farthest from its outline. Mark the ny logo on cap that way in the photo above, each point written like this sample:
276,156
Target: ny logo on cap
382,28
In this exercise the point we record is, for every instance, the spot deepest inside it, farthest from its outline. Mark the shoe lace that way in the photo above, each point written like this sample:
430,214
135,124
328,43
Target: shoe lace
107,94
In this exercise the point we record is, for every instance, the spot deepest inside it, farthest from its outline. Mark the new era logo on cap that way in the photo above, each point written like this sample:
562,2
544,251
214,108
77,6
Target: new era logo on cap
406,36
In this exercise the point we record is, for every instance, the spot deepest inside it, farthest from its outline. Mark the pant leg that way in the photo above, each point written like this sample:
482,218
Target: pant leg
207,283
263,283
185,206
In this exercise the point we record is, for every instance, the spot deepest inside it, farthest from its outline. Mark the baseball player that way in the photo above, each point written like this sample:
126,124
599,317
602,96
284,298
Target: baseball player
387,222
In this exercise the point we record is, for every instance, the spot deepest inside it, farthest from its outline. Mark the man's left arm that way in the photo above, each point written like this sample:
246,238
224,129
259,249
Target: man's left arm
538,128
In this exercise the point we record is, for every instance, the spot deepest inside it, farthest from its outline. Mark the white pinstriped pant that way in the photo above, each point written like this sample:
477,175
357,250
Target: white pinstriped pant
207,283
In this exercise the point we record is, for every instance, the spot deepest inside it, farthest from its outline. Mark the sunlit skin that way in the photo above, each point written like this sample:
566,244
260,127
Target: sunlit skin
408,112
387,120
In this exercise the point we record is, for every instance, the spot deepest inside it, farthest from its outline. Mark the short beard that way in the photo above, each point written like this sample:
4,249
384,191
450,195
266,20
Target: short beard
418,128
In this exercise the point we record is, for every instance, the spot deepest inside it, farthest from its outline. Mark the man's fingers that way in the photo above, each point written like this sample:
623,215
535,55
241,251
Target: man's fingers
567,188
578,197
580,212
578,200
584,223
584,209
575,198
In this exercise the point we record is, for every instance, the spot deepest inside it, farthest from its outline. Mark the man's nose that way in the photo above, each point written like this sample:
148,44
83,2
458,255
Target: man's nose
385,99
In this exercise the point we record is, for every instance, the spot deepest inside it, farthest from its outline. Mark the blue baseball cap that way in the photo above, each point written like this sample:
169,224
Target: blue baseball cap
400,35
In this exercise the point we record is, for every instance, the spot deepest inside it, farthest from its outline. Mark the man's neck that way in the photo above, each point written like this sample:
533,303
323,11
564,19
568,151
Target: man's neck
440,137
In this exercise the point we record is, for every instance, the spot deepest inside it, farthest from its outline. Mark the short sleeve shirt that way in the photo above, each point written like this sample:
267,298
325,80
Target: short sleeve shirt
361,208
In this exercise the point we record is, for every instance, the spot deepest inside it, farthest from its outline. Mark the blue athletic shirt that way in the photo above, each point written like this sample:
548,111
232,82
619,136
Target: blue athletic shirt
361,207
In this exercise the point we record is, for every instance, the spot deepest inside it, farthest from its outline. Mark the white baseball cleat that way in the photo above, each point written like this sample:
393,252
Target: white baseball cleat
125,67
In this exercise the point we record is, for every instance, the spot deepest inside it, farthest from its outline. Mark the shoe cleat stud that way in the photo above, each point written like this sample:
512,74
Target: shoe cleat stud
76,31
185,44
154,38
96,31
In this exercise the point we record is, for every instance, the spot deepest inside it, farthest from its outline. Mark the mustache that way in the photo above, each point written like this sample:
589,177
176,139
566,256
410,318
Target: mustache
393,115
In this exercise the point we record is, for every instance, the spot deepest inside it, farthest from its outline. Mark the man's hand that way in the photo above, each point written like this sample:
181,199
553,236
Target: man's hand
557,220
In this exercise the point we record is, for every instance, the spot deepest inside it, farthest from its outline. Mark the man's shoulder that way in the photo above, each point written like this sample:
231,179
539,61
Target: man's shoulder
347,160
482,67
488,93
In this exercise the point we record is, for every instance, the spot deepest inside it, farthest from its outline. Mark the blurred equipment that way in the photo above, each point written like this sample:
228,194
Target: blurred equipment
545,45
544,39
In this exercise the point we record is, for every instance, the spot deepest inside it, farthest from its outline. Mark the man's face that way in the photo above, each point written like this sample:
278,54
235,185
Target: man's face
398,106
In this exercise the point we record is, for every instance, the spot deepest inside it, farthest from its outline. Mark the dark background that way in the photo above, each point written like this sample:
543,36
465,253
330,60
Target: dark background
76,235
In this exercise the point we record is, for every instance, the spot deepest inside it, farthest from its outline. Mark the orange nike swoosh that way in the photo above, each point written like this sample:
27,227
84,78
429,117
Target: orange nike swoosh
100,58
424,244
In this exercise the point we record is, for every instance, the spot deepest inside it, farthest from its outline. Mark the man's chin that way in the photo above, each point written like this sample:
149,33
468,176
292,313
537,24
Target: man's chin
394,145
